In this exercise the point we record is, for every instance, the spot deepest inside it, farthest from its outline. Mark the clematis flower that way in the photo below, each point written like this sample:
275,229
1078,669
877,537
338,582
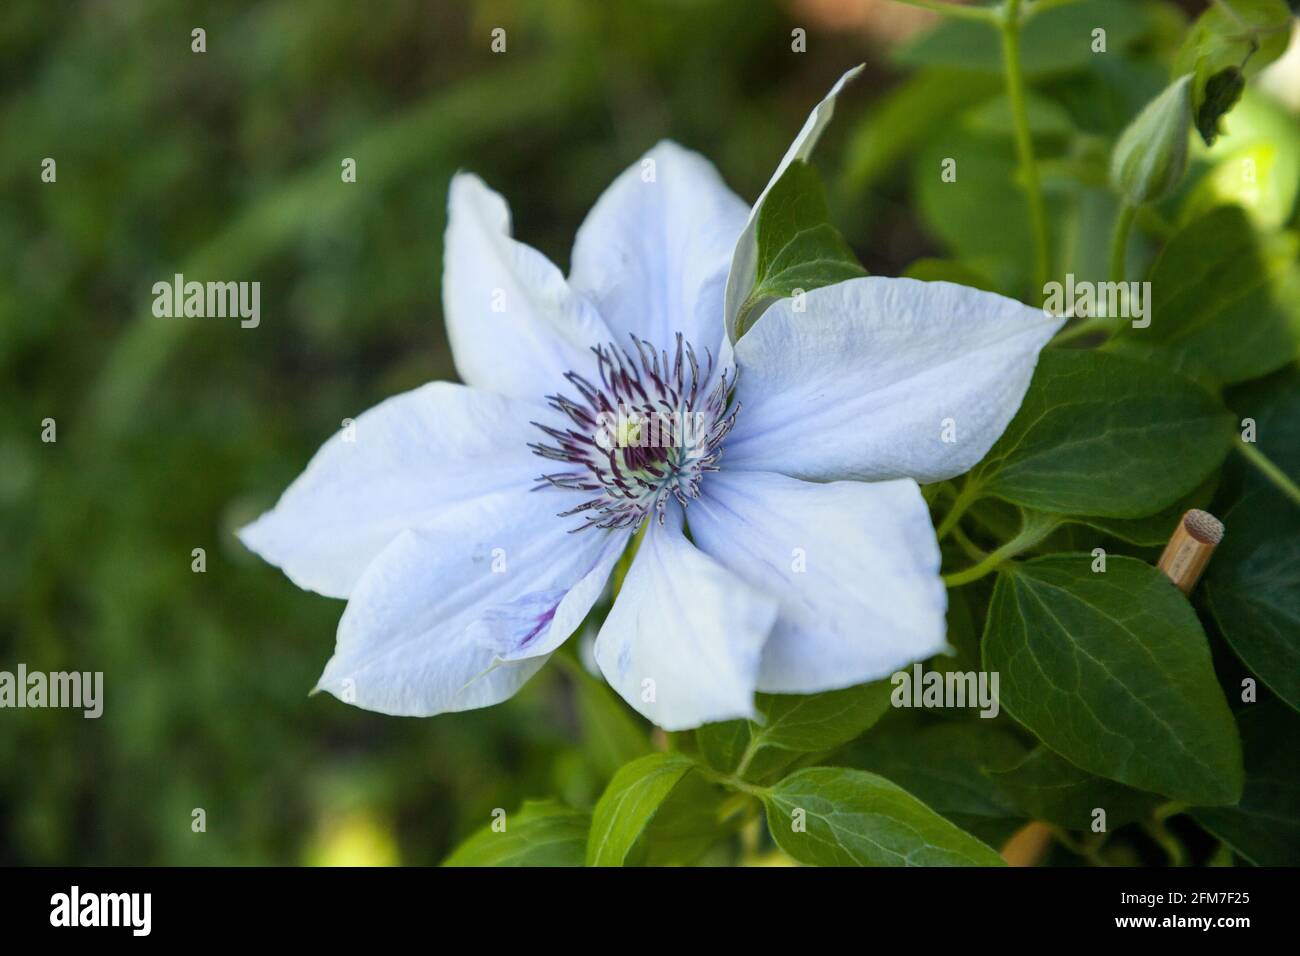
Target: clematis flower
787,547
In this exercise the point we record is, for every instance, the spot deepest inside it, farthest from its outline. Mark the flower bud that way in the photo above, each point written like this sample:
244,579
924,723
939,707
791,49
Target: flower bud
1151,156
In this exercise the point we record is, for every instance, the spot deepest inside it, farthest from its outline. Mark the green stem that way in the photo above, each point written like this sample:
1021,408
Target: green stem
1272,472
1156,829
968,495
973,551
751,749
1119,240
1010,23
1089,849
1034,529
731,781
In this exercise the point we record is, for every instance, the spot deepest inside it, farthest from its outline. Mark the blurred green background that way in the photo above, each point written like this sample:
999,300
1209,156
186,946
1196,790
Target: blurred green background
225,165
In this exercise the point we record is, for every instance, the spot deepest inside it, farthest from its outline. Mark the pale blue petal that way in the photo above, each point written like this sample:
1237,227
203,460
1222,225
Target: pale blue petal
460,614
683,641
514,325
883,378
399,466
854,565
653,253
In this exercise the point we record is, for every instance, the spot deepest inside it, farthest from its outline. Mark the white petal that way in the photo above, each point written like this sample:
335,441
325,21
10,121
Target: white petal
744,261
854,565
401,464
514,324
683,641
871,379
460,614
653,253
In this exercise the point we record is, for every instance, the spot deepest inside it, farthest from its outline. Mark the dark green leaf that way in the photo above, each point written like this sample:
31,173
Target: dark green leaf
1046,787
1220,309
1252,586
542,833
1153,530
1222,90
1112,671
792,725
629,803
828,816
1106,435
818,722
798,248
1265,826
944,765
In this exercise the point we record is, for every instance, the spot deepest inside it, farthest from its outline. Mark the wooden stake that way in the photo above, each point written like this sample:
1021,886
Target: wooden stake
1028,845
1190,548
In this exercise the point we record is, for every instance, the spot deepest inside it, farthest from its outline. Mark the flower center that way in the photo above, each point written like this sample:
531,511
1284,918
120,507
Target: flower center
643,434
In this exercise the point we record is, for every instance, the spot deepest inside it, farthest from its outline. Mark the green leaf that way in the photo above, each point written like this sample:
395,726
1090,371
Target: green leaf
907,114
1265,826
945,765
1112,671
1244,35
1046,787
1221,311
629,803
723,744
1045,117
792,725
1101,434
1222,91
1107,93
798,248
809,723
686,825
1057,41
982,216
612,736
1252,586
542,833
1153,530
943,270
829,816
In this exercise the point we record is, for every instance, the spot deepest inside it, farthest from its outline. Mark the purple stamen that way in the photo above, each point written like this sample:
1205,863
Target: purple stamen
655,397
